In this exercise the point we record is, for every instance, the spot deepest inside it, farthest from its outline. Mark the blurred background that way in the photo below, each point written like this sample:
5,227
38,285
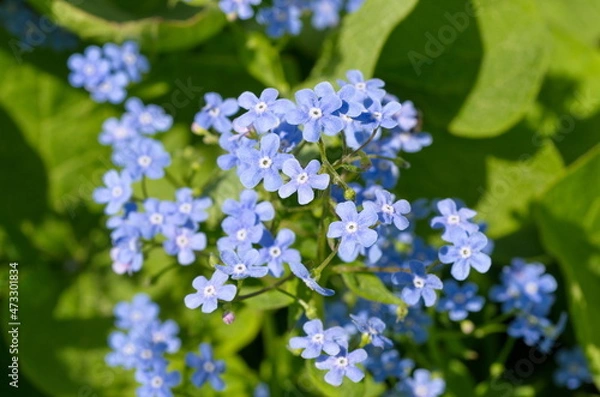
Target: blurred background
509,90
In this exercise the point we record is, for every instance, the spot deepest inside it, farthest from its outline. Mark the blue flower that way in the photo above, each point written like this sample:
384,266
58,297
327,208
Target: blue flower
465,253
242,265
209,291
240,8
143,157
388,210
281,19
231,143
166,333
318,340
148,119
183,242
125,350
154,219
242,231
452,218
190,210
117,132
276,252
460,300
410,142
111,88
421,384
140,312
372,88
418,284
89,69
572,369
303,274
342,364
374,328
116,193
216,112
262,112
262,211
353,229
157,382
387,364
326,13
207,368
381,115
315,113
524,286
263,163
407,117
126,241
302,180
149,354
127,58
290,136
530,327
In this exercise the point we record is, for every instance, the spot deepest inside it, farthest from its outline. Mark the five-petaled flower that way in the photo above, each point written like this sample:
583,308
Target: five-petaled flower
209,291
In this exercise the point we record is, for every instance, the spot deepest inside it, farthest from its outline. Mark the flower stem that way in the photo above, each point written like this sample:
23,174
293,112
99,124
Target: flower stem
240,298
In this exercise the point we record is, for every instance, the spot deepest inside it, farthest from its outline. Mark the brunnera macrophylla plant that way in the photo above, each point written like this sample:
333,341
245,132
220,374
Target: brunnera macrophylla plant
317,175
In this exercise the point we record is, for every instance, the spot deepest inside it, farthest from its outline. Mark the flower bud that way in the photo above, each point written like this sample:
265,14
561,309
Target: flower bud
228,317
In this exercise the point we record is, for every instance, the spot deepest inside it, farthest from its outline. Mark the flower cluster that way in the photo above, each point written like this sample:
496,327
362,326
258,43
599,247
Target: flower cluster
33,30
285,16
106,71
527,291
141,345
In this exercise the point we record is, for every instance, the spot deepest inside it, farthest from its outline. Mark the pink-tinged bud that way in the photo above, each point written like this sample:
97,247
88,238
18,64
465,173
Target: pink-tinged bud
228,317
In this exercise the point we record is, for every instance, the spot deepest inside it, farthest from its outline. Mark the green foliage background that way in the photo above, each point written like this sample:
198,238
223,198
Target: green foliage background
510,93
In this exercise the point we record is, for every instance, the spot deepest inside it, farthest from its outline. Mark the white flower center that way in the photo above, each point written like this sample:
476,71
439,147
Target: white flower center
182,241
360,86
318,338
186,208
302,178
274,252
260,107
315,113
404,137
265,162
351,227
342,362
460,298
136,316
121,132
214,112
209,291
89,69
531,288
453,219
241,234
129,59
419,282
239,268
145,118
129,349
117,191
106,86
388,209
465,252
144,161
157,382
156,219
421,391
158,337
208,366
146,354
377,115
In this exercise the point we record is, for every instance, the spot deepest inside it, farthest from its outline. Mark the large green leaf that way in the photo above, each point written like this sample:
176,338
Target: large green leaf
370,287
511,71
568,217
104,21
360,40
579,17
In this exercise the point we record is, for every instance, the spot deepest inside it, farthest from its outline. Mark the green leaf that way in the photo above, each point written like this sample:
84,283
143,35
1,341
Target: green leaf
370,287
103,21
270,300
566,216
512,70
459,381
578,17
360,39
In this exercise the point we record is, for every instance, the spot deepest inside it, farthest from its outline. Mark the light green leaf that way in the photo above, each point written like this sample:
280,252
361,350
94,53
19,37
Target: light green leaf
511,72
579,17
270,300
370,287
563,217
105,21
360,39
